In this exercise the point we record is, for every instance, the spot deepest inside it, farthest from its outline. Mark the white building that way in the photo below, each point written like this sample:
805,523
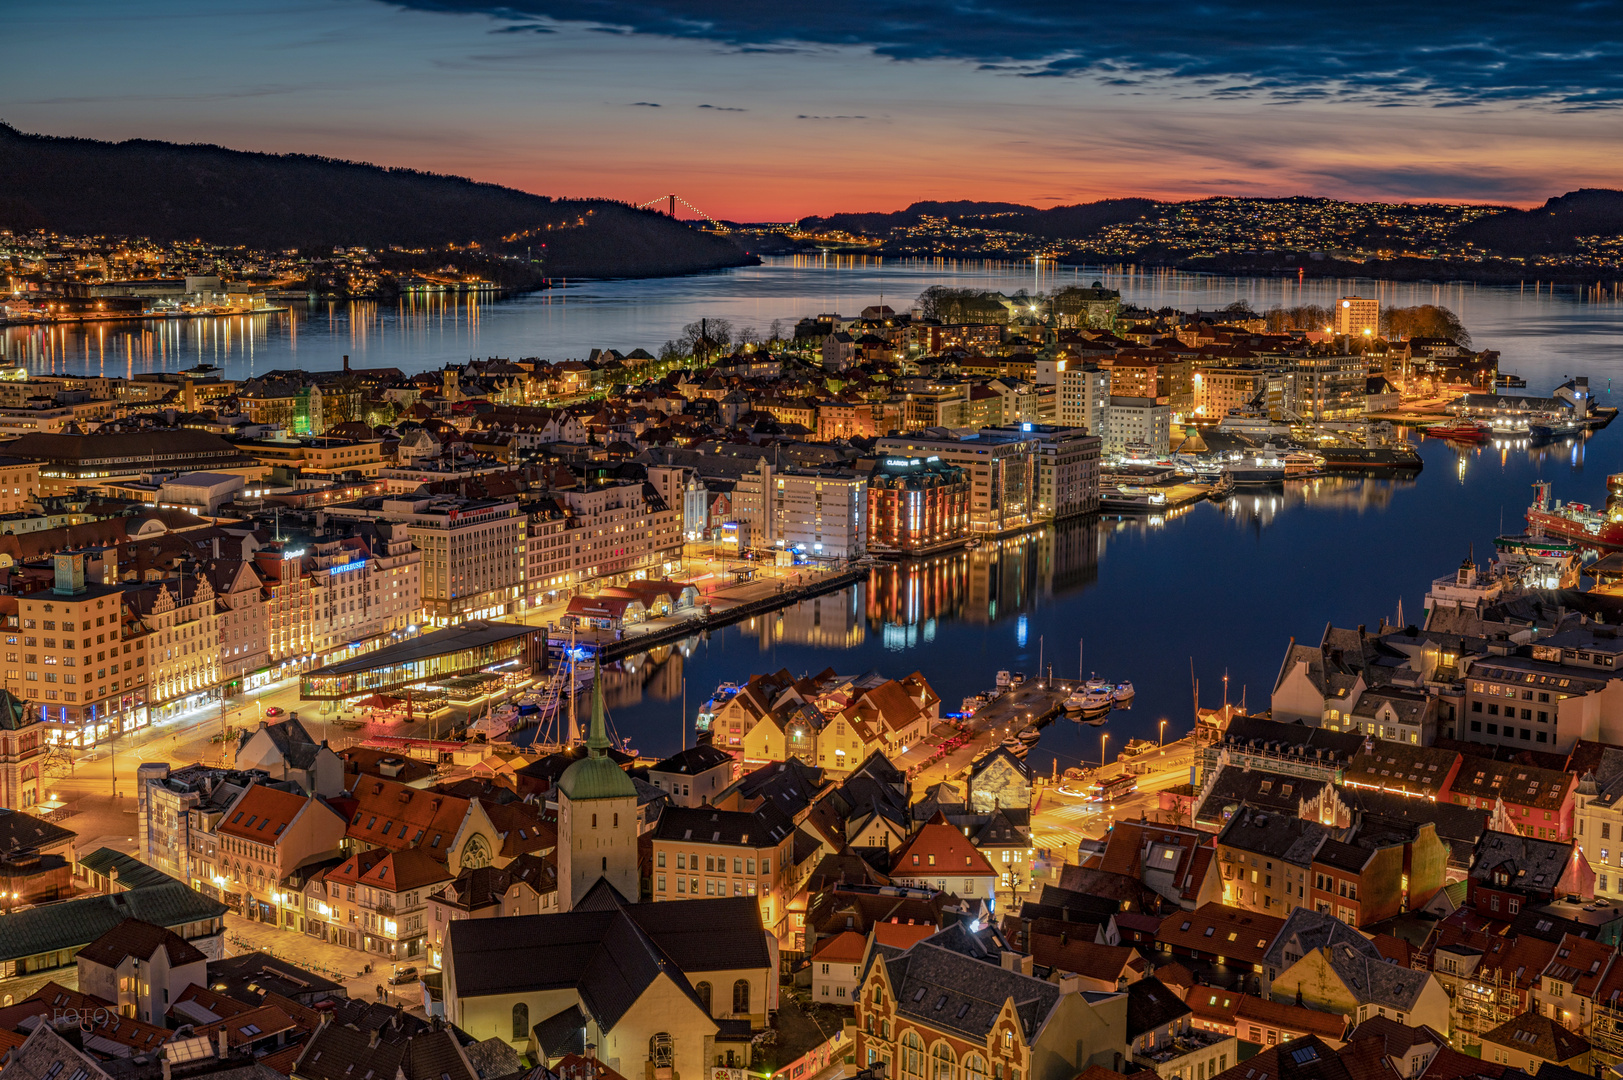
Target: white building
819,512
472,562
1138,420
1084,396
621,529
362,591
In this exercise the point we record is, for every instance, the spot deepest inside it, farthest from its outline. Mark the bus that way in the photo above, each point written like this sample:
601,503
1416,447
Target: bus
1112,789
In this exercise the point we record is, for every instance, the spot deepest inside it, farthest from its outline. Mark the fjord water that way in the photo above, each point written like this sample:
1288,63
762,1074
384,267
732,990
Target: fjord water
1221,589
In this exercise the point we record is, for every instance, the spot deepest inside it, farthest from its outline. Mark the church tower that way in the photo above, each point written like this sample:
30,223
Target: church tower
597,819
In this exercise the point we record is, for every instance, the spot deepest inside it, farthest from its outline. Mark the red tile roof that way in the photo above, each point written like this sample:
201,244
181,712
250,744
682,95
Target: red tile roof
391,871
1230,932
396,816
845,948
943,848
901,935
261,814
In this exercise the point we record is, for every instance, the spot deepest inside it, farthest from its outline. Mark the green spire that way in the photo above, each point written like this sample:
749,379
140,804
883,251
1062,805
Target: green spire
597,739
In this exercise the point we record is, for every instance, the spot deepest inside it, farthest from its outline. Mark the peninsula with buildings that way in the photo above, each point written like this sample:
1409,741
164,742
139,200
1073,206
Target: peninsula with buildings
306,766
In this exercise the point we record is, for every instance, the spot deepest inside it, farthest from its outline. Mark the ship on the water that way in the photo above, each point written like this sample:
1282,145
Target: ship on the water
1382,447
1573,520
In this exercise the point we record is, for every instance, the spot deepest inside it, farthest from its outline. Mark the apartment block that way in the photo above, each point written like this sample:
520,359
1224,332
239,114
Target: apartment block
1002,470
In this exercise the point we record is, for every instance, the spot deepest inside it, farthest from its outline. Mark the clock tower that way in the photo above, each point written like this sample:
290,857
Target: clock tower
597,819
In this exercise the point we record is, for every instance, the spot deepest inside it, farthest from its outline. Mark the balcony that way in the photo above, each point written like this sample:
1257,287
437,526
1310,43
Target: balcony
1165,1058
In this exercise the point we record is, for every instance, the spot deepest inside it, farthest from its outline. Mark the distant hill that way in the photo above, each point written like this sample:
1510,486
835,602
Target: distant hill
1076,222
1060,222
170,191
880,221
1553,227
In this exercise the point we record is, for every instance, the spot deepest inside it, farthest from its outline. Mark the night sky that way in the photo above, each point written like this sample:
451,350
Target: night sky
774,111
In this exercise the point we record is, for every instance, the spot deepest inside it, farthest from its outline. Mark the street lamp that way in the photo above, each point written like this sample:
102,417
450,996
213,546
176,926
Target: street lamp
1163,736
1104,736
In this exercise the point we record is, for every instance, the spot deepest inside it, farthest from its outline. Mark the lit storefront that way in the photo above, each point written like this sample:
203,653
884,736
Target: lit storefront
438,655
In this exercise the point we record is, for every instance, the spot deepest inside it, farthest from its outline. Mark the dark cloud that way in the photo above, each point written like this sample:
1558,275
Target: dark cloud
723,108
1568,54
1418,182
804,116
647,104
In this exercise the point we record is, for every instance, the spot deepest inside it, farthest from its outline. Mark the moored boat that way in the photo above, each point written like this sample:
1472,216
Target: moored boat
1574,521
1122,693
1463,431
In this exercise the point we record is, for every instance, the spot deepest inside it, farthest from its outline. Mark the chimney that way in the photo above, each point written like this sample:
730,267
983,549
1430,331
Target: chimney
223,1043
346,361
166,1069
377,1036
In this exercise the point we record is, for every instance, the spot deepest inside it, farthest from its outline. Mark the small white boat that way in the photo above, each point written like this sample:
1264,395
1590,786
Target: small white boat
1122,693
1095,703
1074,703
1029,736
1098,684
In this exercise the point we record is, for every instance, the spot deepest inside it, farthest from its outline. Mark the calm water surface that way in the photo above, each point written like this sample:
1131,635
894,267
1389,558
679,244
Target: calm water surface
1221,590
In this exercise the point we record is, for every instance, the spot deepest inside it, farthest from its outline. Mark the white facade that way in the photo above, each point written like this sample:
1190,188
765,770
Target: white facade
619,530
472,561
1141,420
1084,396
820,513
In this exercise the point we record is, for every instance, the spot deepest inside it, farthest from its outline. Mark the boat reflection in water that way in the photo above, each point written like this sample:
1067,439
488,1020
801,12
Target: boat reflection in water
998,578
1330,491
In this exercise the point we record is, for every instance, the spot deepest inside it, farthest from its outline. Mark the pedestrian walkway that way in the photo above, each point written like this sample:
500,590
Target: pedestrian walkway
323,958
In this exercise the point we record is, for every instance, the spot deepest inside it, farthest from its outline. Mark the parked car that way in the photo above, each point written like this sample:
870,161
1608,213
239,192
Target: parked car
273,711
403,975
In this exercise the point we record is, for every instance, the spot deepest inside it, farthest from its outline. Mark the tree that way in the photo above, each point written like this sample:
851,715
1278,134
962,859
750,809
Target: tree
1302,317
1425,320
705,338
749,336
775,334
944,303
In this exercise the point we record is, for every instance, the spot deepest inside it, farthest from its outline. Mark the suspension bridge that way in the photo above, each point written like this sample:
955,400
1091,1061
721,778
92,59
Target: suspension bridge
670,202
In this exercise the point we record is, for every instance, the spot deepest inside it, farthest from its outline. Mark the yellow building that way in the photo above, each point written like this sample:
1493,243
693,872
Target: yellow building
19,484
726,853
79,657
184,625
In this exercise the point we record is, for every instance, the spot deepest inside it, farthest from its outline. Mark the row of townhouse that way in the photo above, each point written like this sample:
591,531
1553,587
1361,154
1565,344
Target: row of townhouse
824,720
288,846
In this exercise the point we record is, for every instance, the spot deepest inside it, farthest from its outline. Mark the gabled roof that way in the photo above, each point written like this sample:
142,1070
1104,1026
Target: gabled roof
940,847
261,814
1226,931
1306,930
1531,865
294,743
1079,956
948,991
392,815
1539,1036
1150,1005
390,871
1372,980
848,947
340,1051
607,949
134,939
